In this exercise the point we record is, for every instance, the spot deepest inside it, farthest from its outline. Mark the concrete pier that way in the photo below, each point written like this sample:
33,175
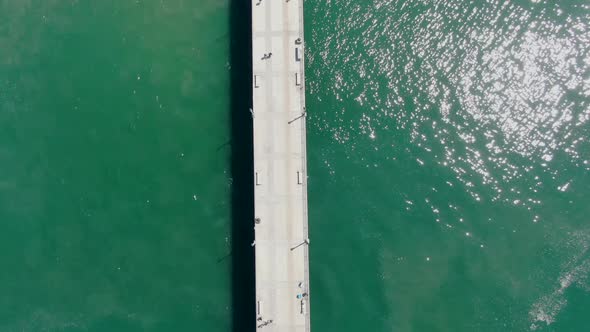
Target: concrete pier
280,193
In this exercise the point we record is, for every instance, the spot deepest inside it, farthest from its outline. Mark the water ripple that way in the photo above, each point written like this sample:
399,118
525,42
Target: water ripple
465,126
495,83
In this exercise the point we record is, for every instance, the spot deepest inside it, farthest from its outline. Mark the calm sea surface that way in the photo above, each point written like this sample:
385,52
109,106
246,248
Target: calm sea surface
114,171
449,162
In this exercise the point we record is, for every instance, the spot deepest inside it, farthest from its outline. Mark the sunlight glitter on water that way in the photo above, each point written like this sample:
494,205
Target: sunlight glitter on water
487,103
520,89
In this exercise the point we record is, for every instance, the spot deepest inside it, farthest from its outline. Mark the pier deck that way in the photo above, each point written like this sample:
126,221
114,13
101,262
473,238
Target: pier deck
280,193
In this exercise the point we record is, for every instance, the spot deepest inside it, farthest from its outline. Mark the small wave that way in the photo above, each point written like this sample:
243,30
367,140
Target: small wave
546,309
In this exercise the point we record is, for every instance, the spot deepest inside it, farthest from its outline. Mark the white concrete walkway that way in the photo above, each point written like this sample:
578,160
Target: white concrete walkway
281,245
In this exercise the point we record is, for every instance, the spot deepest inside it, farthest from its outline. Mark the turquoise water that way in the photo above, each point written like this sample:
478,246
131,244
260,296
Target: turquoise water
115,176
448,157
449,163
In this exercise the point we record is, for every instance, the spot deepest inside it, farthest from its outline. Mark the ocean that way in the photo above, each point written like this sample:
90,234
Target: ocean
115,180
448,162
449,165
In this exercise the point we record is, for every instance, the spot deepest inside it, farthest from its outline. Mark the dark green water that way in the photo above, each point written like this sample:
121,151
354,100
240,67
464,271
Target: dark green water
448,154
